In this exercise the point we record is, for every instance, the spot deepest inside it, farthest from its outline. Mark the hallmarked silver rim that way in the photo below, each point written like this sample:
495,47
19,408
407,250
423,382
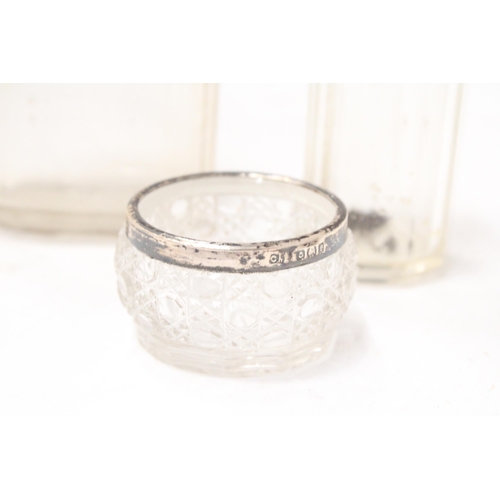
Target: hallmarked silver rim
257,257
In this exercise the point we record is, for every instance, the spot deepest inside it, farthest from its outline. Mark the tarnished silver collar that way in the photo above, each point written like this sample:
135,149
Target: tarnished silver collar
255,257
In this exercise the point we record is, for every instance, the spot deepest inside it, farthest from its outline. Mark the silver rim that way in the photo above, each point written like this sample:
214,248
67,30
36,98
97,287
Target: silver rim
258,257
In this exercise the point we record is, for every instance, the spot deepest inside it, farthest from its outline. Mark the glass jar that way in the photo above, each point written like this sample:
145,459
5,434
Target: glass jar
236,273
388,152
71,156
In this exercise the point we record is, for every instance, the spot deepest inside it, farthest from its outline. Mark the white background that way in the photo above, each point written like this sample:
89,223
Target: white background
262,128
67,346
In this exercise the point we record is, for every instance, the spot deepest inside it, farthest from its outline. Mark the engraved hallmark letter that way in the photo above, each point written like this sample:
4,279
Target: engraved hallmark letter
311,252
301,254
275,258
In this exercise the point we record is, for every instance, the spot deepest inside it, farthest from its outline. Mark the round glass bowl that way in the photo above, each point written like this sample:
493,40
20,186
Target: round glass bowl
236,273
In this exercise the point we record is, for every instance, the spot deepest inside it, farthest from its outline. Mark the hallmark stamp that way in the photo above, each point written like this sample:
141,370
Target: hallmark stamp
311,252
300,254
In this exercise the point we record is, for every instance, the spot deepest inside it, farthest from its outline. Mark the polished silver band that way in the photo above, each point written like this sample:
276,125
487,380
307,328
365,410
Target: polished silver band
233,257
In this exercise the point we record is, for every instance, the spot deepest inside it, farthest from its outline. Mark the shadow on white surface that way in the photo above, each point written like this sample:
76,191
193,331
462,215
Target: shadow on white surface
48,237
351,342
472,240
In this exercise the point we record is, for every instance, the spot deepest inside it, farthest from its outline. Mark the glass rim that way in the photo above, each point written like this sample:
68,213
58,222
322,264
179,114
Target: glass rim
261,256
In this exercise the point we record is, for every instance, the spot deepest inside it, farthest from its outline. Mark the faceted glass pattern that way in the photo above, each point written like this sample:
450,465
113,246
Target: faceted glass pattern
232,323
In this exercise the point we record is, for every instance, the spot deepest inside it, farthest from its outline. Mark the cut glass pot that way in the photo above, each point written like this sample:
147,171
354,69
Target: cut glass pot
236,273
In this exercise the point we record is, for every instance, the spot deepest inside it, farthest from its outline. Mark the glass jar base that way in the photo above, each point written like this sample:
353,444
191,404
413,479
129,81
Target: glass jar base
59,208
408,272
241,363
45,221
